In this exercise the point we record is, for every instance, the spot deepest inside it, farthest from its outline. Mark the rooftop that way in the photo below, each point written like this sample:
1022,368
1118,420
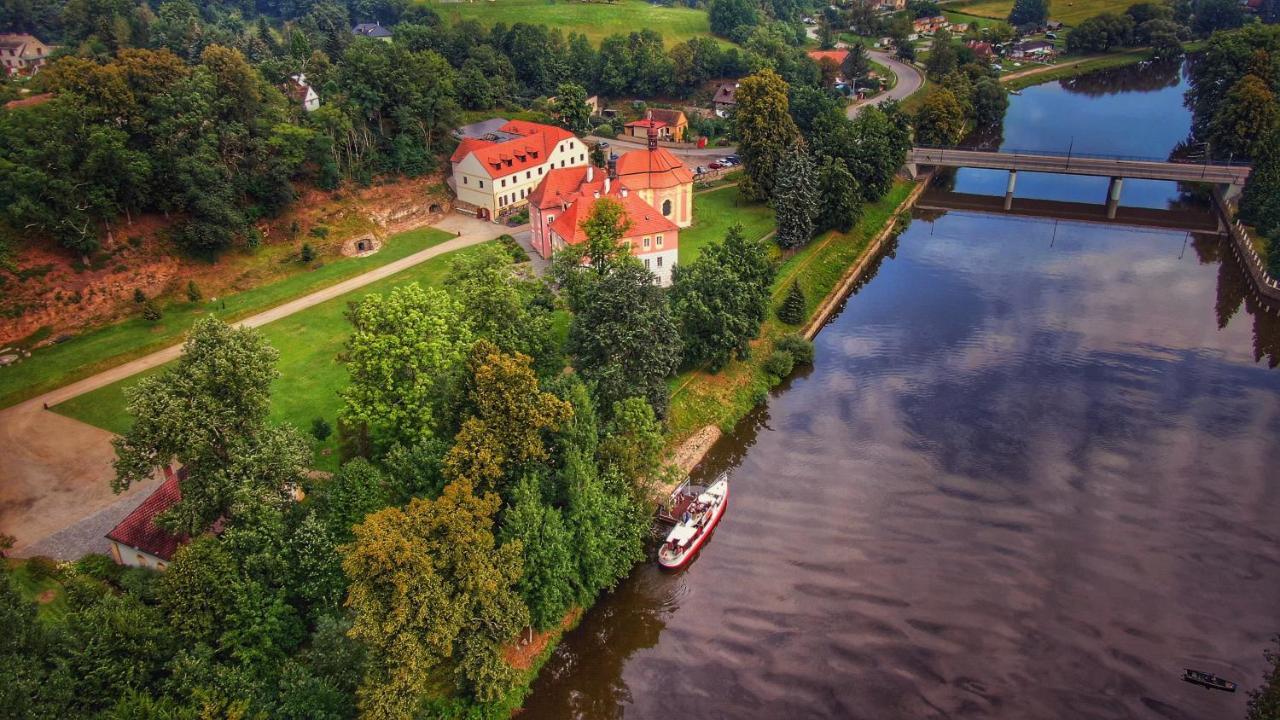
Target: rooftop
138,530
515,146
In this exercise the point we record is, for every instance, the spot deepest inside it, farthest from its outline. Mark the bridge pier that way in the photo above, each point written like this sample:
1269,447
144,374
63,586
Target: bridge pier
1113,196
1008,191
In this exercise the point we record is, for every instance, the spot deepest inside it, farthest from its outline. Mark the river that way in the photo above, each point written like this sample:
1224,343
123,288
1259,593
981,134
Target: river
1031,474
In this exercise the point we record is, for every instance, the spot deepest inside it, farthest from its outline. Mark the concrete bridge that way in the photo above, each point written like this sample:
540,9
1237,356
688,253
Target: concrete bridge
1228,179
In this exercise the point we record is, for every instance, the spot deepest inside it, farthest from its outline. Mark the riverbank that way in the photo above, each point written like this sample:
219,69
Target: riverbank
1091,63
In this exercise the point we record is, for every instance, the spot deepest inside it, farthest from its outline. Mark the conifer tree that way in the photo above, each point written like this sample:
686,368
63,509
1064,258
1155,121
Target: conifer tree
795,198
792,310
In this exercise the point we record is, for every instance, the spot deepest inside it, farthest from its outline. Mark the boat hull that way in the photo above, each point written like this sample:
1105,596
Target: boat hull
696,544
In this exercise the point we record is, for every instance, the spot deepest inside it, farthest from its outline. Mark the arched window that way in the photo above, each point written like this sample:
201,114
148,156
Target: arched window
666,208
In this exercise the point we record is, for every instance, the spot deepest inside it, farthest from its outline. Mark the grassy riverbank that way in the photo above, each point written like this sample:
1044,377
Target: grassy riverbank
701,398
97,350
1076,67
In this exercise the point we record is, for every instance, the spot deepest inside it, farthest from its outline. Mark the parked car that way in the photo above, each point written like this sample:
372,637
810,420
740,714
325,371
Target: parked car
734,159
701,169
1051,36
602,145
715,166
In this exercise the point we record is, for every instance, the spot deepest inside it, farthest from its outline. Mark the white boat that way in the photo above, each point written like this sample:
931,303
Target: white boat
698,516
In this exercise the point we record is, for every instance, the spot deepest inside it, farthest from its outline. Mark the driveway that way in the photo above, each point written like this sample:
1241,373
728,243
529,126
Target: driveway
910,80
55,472
691,156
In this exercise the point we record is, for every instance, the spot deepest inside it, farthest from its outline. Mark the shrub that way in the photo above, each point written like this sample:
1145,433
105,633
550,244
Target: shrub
139,296
151,312
794,344
791,311
98,567
41,568
319,231
779,364
308,253
140,583
321,429
253,239
605,130
513,247
83,591
193,291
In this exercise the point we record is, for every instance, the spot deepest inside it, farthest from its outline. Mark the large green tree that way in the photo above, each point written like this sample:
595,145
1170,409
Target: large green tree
550,580
765,131
720,299
1029,12
840,196
795,198
940,120
500,305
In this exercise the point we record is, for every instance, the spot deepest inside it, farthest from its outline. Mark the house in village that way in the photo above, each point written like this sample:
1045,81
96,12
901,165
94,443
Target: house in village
725,100
1033,49
981,50
654,188
22,54
373,30
137,541
670,125
297,89
494,172
930,25
893,6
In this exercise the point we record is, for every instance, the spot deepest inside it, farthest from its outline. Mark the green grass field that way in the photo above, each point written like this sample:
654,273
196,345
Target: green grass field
310,374
714,212
82,356
1069,13
595,20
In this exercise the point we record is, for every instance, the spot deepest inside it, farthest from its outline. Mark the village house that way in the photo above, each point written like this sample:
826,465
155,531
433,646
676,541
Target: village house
725,99
22,54
893,5
670,125
930,25
137,541
372,30
301,93
494,173
981,50
654,188
1034,49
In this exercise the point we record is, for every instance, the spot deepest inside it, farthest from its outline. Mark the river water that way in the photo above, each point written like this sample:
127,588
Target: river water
1031,474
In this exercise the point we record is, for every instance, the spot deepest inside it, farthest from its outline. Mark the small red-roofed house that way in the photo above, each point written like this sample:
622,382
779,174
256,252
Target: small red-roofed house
496,173
137,541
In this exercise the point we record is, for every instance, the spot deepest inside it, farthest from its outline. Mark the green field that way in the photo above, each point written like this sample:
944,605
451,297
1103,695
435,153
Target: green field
1068,13
310,374
714,212
595,20
84,355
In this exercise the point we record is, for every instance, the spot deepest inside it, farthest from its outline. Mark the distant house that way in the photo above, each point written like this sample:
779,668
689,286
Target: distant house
726,99
930,25
1055,25
494,173
137,541
982,50
1038,49
893,5
300,92
22,54
372,30
668,124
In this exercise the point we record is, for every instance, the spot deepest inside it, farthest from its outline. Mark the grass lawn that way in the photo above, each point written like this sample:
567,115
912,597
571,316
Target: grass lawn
46,593
1070,14
595,20
714,212
701,398
310,374
84,355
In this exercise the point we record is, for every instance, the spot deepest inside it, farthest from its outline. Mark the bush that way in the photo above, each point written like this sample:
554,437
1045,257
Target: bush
795,345
82,591
511,246
792,311
319,231
151,312
779,364
98,567
140,583
139,296
308,253
193,291
40,568
321,429
253,239
606,131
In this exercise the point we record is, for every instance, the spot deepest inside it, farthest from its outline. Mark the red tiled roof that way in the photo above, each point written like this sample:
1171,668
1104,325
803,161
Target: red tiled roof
561,185
531,149
668,116
645,220
836,56
659,168
139,530
647,123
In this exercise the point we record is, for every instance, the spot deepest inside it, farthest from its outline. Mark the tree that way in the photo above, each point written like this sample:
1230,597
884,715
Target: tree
605,226
1264,702
632,445
623,337
792,310
1029,12
765,131
840,196
113,646
608,526
1212,15
404,356
795,199
942,55
499,306
940,120
548,585
343,501
196,591
906,52
990,101
732,19
209,413
720,299
1248,114
570,107
431,590
856,64
510,414
1100,33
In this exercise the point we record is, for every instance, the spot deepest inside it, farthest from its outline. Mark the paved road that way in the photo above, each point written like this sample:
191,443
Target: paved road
910,79
697,155
55,471
1080,165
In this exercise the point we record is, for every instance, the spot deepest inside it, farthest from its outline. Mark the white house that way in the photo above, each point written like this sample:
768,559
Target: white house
496,173
302,93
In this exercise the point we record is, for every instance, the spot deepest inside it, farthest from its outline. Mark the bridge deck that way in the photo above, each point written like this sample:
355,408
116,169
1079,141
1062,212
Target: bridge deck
1080,165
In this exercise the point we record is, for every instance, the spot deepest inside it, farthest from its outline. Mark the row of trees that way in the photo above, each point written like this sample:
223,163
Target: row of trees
966,98
1235,102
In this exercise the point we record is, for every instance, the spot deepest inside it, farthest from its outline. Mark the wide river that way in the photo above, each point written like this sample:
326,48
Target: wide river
1033,473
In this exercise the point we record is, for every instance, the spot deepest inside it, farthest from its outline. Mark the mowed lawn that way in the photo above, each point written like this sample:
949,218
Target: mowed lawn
595,20
310,373
714,212
1069,13
97,350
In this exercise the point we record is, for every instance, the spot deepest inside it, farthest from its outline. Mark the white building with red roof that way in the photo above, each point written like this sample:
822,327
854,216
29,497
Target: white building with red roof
654,188
495,173
137,541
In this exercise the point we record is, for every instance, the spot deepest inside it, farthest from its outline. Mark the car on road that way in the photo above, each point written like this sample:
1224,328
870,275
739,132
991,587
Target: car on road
700,170
734,159
715,166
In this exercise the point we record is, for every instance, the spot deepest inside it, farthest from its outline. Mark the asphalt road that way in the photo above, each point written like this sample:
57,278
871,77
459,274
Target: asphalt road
910,79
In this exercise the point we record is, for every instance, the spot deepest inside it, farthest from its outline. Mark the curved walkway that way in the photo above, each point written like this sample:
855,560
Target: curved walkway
910,80
55,472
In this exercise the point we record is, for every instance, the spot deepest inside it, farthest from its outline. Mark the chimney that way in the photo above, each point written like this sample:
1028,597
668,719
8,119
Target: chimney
653,131
591,172
613,165
606,185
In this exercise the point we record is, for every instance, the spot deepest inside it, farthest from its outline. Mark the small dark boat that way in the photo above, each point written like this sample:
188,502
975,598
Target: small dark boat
1208,680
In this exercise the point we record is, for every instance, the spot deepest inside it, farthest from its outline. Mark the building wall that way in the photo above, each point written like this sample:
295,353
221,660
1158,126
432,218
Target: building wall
657,258
512,189
681,198
132,557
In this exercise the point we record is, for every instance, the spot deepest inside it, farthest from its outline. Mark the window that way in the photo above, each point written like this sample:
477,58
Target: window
626,244
666,208
159,566
464,179
539,169
481,184
659,241
550,219
646,242
646,263
571,145
528,174
504,182
142,562
659,261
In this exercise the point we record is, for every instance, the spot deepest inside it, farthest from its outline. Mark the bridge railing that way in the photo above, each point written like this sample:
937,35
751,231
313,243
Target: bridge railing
1072,153
1252,257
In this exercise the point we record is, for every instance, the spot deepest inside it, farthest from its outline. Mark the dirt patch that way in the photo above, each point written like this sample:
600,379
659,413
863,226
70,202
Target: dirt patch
46,597
690,452
525,652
